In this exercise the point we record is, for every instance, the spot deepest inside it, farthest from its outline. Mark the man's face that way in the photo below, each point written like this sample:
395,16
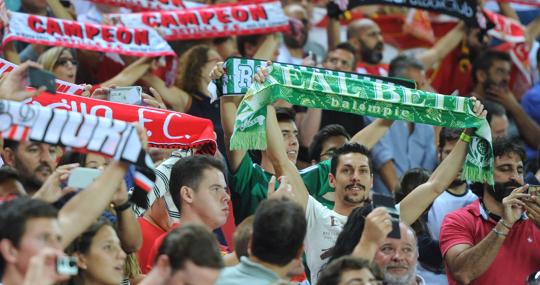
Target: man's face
354,277
300,30
397,258
353,179
499,126
340,59
477,41
193,274
34,162
443,154
330,145
370,44
211,198
38,234
290,138
507,174
498,75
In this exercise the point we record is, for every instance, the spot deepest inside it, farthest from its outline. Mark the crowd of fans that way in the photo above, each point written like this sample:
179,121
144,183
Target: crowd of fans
301,211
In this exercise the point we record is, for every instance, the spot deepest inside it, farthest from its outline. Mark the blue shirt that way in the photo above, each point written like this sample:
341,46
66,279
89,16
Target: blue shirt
531,105
416,149
247,272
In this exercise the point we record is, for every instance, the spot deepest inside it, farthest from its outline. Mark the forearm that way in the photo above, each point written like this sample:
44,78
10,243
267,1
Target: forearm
371,134
528,128
333,32
365,249
506,10
389,175
129,231
81,211
310,126
268,48
532,31
59,11
443,46
129,75
475,261
228,107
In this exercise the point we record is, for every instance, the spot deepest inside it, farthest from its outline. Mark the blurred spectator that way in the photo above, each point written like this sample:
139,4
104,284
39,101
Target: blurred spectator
531,105
366,36
10,183
292,49
350,270
497,119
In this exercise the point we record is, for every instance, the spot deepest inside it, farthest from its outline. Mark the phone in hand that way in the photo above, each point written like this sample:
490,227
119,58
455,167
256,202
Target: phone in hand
128,95
67,265
39,77
82,177
534,190
390,205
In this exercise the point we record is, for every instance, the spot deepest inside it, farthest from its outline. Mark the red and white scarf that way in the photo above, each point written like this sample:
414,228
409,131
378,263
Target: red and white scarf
82,132
211,21
151,5
61,86
166,129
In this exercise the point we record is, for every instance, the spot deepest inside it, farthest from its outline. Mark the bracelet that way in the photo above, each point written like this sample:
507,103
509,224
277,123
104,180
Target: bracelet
122,207
499,234
505,224
465,137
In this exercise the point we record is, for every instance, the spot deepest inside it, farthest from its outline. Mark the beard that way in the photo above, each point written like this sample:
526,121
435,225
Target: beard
500,190
392,279
29,178
356,199
489,83
297,41
372,55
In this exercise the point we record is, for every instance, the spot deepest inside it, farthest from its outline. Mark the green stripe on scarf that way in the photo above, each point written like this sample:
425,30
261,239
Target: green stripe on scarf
315,89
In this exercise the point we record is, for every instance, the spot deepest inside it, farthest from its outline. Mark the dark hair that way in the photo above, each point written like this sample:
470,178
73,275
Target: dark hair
493,109
83,242
351,233
241,237
346,46
327,132
285,114
411,179
279,229
188,172
11,144
346,149
15,214
193,243
484,61
401,63
331,275
7,173
72,157
448,135
241,41
190,68
503,146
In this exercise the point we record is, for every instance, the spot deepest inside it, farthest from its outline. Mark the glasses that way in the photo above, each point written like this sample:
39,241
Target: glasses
64,62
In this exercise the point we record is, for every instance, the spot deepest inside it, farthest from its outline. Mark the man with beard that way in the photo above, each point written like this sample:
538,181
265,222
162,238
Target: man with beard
34,162
397,259
492,241
293,49
491,76
365,35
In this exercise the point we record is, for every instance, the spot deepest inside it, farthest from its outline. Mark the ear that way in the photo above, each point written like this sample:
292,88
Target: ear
187,194
8,251
300,252
481,76
82,263
9,156
332,180
249,247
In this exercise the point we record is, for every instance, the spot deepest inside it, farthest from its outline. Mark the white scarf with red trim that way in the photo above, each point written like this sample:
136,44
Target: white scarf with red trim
151,5
211,21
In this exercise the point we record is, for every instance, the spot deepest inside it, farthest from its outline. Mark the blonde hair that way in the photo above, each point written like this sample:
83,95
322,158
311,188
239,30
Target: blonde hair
49,58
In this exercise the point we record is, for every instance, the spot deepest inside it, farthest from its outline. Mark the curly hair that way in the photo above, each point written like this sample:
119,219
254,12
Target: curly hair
190,68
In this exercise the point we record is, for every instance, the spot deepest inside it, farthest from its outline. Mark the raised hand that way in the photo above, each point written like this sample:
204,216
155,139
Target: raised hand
513,204
377,226
284,189
13,85
218,71
51,190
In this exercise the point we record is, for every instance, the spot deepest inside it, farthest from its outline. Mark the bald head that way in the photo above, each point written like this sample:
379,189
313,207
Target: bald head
296,11
358,26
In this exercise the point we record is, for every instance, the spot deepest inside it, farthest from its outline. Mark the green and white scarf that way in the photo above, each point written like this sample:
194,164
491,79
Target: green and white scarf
316,89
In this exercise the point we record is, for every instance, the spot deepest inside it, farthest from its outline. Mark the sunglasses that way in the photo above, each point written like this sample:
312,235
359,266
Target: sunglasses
64,62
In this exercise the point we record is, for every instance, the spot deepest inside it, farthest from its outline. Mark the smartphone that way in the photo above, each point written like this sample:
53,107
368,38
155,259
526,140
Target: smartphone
389,203
128,95
81,177
534,190
39,77
67,265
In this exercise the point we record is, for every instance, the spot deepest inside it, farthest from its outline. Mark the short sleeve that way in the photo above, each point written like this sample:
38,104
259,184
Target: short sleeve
316,178
457,228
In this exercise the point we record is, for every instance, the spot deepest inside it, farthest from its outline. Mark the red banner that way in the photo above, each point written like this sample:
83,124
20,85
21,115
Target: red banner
166,129
151,5
211,21
506,29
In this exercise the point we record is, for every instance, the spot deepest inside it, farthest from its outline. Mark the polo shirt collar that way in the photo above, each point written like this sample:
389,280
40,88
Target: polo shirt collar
480,210
248,266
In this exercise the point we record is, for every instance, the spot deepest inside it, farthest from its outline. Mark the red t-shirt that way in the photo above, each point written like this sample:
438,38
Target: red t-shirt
454,72
149,233
380,69
518,257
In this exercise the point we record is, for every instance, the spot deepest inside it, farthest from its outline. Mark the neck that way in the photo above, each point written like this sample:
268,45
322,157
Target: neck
281,271
36,11
492,205
478,92
148,216
458,190
296,52
266,164
12,276
190,216
204,88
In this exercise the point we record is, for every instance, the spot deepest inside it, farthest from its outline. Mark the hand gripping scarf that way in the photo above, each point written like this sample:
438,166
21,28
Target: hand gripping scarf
314,89
86,133
211,21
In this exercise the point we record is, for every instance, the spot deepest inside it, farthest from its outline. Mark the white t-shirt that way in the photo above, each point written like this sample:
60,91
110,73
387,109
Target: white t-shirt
443,205
323,228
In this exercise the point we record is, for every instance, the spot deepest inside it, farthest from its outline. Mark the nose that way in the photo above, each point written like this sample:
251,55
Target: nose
226,196
121,254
